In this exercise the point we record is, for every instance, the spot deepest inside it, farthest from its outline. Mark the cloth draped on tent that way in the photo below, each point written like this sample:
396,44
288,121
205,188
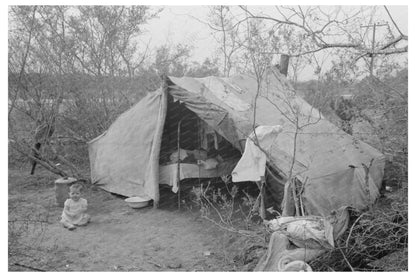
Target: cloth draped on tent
252,165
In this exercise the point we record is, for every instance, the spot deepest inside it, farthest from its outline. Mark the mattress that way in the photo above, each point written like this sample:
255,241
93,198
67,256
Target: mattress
168,173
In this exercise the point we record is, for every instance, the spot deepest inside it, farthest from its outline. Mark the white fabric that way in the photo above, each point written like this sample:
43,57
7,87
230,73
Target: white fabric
295,266
281,256
252,164
312,235
168,174
74,212
181,153
300,229
204,131
199,154
208,163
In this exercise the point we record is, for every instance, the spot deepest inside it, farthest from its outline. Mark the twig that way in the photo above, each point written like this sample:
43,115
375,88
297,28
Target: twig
29,267
345,258
352,227
232,229
392,20
156,264
216,210
28,221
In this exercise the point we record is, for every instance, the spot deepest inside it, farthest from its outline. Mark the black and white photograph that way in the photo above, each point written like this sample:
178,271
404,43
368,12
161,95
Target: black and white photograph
243,137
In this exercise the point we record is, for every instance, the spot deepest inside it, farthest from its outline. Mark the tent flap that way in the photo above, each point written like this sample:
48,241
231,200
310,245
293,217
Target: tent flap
121,158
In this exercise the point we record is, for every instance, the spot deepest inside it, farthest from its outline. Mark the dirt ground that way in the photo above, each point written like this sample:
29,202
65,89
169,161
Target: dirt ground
118,238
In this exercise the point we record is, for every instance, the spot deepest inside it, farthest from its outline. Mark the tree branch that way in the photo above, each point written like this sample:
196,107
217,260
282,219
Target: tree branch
393,42
46,164
392,20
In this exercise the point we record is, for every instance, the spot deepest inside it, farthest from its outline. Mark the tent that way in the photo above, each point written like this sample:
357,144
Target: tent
333,168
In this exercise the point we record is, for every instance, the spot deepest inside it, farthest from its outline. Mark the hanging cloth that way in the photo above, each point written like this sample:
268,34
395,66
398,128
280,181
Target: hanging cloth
207,132
252,165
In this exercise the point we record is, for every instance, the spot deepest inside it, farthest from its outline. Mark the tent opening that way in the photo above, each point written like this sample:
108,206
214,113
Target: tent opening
198,141
194,135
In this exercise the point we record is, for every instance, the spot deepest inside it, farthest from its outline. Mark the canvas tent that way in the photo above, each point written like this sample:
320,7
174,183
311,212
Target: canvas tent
335,169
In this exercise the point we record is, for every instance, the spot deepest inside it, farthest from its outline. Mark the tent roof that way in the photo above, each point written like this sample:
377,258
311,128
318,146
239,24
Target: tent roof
321,147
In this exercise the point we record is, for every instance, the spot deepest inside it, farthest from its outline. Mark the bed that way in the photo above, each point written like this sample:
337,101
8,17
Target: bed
168,173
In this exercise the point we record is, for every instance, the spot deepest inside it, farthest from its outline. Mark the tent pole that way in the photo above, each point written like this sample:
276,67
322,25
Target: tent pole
178,177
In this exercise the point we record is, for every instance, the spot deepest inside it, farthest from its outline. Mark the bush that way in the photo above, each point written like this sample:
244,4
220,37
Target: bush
371,236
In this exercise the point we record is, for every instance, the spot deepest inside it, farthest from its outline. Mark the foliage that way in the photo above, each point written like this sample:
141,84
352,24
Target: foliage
65,58
207,68
383,104
75,69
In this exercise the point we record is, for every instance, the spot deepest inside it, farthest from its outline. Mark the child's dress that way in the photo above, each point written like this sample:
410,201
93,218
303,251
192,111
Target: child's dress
77,210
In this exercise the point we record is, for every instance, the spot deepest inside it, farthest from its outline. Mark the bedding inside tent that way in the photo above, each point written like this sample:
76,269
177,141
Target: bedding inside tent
197,142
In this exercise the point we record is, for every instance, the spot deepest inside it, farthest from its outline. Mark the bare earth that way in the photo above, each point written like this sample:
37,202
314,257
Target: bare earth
118,238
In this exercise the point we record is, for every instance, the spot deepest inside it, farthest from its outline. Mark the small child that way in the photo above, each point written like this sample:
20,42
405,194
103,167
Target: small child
74,209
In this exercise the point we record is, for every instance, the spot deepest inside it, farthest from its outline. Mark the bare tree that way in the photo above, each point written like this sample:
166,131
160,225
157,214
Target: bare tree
333,28
303,31
221,22
65,64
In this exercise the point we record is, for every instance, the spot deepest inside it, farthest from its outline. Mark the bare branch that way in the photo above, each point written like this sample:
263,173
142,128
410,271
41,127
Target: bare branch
391,51
394,22
273,19
46,164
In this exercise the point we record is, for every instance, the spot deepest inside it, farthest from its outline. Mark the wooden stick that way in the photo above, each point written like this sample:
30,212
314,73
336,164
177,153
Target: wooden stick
302,207
45,163
294,194
30,267
262,208
178,172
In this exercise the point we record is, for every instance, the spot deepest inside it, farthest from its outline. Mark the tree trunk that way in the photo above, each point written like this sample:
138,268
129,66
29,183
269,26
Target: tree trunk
284,64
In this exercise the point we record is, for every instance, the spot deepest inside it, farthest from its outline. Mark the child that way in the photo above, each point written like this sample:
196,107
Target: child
74,209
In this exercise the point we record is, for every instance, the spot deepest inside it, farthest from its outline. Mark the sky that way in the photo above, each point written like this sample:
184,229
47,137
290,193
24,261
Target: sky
182,24
177,24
